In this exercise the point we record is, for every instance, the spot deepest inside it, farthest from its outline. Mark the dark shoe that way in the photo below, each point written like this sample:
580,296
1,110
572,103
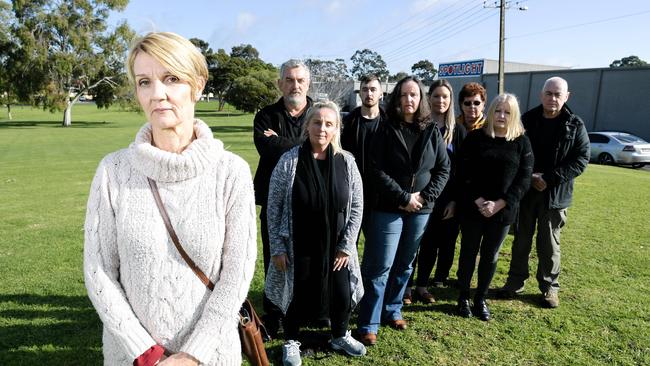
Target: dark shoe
551,299
407,299
368,339
464,309
424,297
481,310
399,324
507,292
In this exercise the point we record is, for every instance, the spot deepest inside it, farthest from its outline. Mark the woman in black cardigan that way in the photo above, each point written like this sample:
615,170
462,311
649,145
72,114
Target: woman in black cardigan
494,168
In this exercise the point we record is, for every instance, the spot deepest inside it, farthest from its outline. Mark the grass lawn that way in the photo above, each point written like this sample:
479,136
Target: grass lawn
46,318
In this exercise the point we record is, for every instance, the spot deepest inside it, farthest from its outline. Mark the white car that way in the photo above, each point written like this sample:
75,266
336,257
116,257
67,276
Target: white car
619,148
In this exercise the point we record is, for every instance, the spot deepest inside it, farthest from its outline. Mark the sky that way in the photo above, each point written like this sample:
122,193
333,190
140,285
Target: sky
573,33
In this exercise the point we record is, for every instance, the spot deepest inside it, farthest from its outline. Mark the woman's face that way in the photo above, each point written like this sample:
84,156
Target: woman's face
473,107
166,100
501,116
322,128
409,99
440,100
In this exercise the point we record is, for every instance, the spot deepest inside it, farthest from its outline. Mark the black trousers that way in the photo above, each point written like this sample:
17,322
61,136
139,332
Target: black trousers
485,236
438,243
302,310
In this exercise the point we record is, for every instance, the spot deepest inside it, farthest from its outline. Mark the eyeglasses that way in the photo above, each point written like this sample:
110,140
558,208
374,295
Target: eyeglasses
468,103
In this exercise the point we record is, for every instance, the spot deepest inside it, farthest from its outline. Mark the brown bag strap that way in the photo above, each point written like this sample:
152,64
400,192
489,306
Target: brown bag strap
170,229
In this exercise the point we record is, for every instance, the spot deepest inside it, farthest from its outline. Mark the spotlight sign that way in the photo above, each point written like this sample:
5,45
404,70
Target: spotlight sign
461,69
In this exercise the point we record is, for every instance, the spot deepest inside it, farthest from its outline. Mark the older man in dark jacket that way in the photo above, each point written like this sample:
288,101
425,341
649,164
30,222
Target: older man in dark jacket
276,129
561,148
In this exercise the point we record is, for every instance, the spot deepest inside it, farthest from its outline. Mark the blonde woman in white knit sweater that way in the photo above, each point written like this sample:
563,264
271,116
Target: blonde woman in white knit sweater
147,297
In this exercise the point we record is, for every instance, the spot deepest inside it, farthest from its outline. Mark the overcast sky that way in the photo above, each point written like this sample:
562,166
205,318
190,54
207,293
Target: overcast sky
575,33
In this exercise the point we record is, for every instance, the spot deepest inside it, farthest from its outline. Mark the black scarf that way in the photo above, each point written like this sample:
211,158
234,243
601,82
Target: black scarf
319,195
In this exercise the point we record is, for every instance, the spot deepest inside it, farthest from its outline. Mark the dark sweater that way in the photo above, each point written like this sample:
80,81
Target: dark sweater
290,134
494,169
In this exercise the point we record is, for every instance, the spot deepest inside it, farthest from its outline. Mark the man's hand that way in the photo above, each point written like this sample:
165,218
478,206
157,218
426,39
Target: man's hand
280,262
538,182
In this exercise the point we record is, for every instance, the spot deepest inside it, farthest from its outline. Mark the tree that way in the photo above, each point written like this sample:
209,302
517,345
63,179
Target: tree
327,70
66,51
367,62
7,48
397,77
630,61
211,60
425,71
254,90
246,52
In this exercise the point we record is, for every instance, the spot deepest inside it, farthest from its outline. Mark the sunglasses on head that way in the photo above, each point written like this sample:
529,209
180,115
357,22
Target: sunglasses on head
468,103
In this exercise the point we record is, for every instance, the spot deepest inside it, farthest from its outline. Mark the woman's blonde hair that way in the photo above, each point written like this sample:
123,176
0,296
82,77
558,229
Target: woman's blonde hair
176,53
514,127
450,118
336,139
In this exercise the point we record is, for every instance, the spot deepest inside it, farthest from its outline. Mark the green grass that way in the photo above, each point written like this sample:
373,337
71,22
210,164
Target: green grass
46,318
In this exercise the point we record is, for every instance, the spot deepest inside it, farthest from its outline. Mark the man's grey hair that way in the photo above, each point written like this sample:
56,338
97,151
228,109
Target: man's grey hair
558,80
292,64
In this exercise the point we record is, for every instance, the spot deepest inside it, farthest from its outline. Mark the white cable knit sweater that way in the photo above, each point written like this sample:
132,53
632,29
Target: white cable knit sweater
142,289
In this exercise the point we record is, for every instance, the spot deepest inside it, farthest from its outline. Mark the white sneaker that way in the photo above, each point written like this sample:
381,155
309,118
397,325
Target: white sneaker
291,353
348,345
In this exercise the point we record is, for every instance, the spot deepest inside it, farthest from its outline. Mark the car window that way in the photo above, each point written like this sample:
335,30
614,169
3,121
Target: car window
598,138
626,138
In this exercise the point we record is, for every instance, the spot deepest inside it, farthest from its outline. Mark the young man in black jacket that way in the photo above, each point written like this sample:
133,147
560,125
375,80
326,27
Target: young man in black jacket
561,148
276,129
359,128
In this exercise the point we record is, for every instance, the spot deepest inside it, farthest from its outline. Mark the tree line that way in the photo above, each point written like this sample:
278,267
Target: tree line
52,53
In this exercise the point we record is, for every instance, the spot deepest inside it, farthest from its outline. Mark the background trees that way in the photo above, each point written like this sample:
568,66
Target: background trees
367,62
629,61
65,50
425,71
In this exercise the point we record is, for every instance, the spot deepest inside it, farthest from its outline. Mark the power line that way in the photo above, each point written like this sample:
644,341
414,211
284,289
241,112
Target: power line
434,38
581,24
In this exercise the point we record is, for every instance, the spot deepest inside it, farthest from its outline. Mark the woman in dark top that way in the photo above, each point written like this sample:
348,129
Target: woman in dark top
439,240
408,170
315,207
494,168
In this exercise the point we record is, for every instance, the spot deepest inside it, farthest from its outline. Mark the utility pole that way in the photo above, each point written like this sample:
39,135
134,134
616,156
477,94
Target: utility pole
503,5
502,29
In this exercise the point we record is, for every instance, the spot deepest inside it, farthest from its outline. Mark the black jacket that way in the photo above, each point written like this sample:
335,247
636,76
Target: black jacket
290,133
394,174
493,168
351,138
571,147
447,194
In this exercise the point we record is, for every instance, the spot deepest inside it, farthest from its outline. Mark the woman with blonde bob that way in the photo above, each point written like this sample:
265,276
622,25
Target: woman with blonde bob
315,208
494,168
153,307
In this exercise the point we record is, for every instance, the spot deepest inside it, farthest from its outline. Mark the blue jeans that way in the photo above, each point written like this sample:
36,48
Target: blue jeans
391,244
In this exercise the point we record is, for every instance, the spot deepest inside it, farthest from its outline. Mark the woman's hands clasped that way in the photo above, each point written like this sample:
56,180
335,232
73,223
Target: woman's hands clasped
489,208
415,203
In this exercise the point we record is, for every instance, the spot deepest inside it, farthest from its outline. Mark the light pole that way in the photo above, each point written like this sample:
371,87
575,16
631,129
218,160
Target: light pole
503,5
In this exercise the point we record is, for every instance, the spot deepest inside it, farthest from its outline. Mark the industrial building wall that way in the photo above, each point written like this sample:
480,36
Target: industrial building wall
606,99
